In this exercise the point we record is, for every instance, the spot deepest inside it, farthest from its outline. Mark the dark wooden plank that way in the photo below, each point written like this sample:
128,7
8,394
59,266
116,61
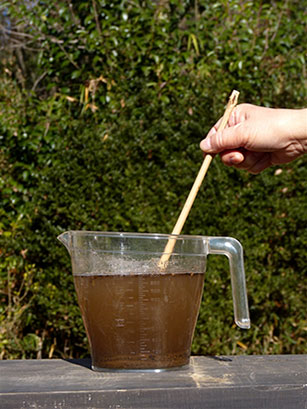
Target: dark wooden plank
209,382
234,398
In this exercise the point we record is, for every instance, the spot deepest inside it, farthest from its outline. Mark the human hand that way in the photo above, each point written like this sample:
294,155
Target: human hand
258,137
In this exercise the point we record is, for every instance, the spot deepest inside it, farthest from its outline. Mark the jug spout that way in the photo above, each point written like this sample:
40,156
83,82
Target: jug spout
65,238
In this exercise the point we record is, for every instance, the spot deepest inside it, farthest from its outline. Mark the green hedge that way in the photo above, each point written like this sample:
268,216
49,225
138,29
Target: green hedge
100,130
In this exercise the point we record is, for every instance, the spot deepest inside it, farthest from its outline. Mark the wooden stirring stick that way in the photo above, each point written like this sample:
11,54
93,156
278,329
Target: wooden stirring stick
233,100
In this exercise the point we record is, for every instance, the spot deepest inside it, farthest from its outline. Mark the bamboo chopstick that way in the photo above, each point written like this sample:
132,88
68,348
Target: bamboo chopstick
232,102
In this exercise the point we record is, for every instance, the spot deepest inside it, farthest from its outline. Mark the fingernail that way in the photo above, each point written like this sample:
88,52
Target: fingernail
205,145
232,160
236,159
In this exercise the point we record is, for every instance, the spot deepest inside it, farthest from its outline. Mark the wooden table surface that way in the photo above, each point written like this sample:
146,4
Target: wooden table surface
276,381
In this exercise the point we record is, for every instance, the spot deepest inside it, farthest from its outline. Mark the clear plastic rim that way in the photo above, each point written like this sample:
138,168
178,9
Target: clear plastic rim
136,235
146,236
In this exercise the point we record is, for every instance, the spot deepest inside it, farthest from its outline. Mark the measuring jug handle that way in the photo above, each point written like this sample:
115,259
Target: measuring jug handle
232,248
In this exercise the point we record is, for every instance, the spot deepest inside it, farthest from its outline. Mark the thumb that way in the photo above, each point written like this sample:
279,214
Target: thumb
230,138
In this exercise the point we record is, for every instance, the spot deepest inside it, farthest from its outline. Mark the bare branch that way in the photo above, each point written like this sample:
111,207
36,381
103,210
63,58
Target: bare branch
38,80
17,33
96,17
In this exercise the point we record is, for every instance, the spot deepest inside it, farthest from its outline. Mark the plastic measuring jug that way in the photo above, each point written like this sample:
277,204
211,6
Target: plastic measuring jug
136,316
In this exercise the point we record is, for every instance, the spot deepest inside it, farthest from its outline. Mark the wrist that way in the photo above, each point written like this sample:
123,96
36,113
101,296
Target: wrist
294,125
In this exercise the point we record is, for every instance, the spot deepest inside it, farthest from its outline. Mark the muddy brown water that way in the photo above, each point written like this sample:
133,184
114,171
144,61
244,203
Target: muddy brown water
139,321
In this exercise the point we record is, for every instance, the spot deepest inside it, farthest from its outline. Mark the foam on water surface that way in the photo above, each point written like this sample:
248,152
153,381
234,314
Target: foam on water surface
115,264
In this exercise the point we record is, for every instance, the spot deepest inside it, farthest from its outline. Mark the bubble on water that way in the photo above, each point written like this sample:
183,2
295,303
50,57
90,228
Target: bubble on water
98,263
123,265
